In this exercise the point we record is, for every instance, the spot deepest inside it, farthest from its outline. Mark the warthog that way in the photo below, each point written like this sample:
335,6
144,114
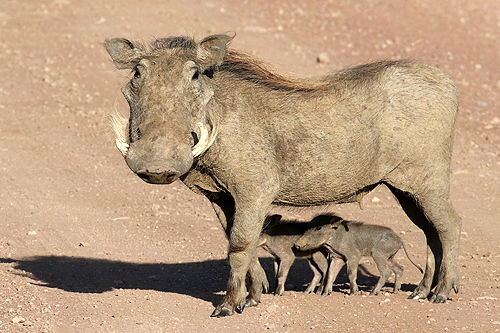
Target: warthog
278,238
246,137
349,241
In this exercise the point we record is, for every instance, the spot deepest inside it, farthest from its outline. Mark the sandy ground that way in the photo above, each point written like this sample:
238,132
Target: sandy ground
86,246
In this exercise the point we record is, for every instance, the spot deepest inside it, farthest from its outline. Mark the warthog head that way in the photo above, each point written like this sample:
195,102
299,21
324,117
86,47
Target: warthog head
322,228
168,96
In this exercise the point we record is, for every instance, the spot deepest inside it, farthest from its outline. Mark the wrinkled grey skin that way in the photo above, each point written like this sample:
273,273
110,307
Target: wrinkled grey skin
278,238
349,241
300,142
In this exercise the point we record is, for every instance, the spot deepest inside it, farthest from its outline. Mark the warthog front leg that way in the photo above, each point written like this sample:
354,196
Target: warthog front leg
335,264
319,265
243,231
258,283
235,298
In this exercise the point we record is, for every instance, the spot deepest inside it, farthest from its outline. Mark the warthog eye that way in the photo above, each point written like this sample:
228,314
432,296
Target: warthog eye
318,228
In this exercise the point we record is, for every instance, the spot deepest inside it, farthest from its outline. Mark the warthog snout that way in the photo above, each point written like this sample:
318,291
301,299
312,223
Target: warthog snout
157,176
156,163
302,247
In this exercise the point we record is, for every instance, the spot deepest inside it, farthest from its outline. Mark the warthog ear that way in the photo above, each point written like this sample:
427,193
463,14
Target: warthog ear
124,53
211,50
345,224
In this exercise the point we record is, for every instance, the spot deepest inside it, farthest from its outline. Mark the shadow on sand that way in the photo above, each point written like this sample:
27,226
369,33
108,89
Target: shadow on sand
205,280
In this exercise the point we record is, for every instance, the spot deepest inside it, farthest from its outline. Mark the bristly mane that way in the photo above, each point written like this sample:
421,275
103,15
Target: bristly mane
248,68
173,42
245,67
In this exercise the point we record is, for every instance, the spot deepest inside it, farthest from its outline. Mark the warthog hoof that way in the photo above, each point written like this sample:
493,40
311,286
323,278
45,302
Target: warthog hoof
438,299
251,302
417,294
224,312
265,289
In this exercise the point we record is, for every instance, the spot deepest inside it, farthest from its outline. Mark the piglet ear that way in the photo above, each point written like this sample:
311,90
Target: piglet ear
125,54
345,224
211,50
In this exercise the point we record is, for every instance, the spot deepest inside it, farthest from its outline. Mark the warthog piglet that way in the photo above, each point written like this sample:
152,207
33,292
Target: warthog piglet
349,241
278,238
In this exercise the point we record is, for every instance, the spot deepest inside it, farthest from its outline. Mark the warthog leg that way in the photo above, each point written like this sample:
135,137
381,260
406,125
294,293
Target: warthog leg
243,262
335,264
258,283
434,214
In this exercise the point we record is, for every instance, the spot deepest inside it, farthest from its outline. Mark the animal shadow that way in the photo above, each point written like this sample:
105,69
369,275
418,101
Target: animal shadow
204,280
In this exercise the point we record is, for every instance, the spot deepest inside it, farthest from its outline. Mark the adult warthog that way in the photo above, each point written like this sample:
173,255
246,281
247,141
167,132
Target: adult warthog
246,137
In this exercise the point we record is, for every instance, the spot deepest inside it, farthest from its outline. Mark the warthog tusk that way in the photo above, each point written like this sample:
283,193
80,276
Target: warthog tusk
122,147
205,142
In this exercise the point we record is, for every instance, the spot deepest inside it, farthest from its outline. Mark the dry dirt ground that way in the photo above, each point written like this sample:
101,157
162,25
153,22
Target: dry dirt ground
86,246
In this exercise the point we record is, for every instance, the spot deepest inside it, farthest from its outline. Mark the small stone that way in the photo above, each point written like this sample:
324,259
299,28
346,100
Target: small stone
32,232
375,200
323,58
487,297
17,320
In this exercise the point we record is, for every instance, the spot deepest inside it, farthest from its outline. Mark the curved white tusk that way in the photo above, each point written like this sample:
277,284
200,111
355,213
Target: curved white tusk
122,147
199,147
205,141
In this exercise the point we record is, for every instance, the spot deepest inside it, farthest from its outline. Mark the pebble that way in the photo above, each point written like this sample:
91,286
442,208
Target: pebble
487,297
17,320
323,58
